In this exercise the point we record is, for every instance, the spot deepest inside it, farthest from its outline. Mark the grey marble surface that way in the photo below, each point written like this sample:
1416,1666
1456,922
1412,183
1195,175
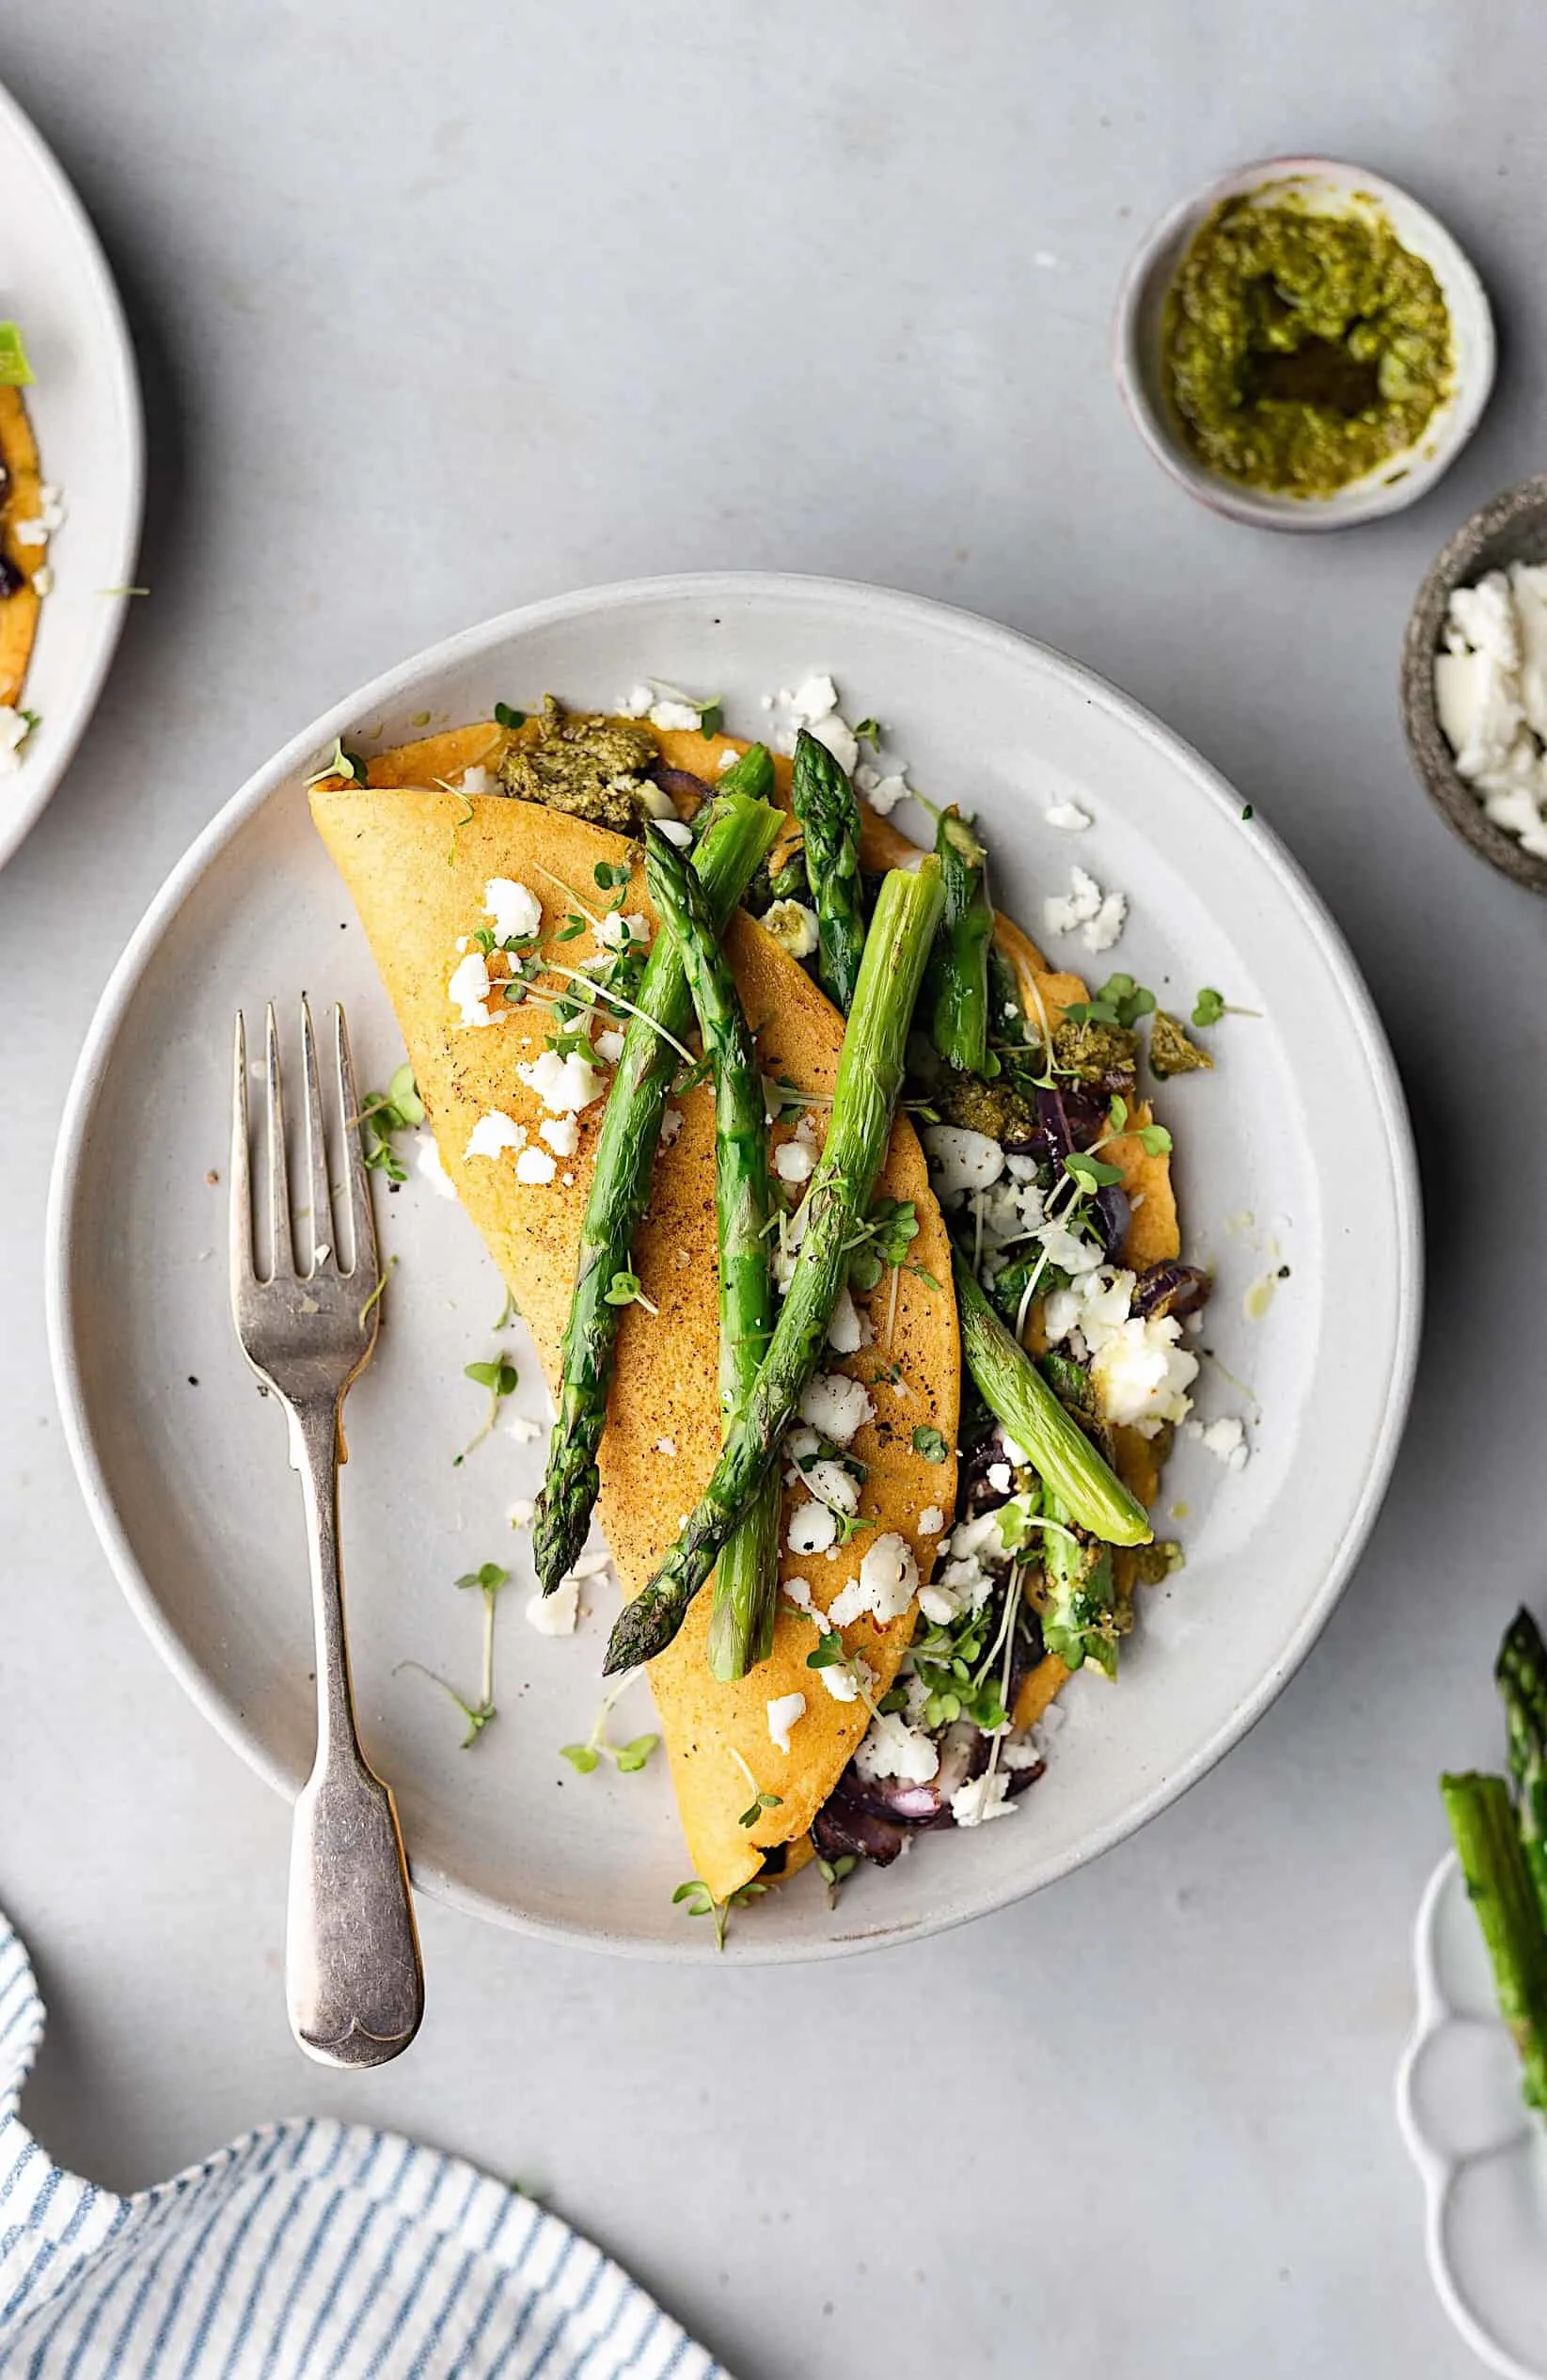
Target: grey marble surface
443,308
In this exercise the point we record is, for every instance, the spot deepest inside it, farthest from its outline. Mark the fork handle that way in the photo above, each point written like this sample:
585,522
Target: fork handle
354,1981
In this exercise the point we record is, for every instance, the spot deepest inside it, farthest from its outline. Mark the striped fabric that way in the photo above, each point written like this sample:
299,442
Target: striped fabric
305,2251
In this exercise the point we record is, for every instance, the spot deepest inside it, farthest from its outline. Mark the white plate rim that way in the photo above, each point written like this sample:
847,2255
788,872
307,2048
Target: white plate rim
35,784
377,697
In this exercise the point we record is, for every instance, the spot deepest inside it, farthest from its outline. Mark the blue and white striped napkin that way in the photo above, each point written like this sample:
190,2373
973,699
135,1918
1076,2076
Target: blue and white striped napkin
302,2250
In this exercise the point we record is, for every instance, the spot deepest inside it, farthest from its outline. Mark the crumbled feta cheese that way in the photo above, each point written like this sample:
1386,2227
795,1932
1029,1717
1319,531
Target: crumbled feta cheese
785,1712
521,1512
517,914
30,532
885,795
478,780
835,1485
814,698
961,1159
893,1749
493,1134
793,1161
1068,817
635,703
1107,925
999,1477
836,1406
684,716
793,926
1098,917
981,1798
847,1331
728,758
931,1521
42,580
468,989
427,1159
556,1615
523,1428
841,1682
676,832
592,1562
665,1446
888,1577
671,1126
1141,1376
1225,1439
609,1044
564,1085
562,1133
535,1166
812,1529
618,933
1491,695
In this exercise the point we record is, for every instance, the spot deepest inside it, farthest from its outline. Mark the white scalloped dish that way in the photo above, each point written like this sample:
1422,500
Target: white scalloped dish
1480,2153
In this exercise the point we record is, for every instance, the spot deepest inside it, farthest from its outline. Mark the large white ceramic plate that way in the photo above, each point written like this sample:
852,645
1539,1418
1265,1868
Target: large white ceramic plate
1295,1152
1480,2152
86,408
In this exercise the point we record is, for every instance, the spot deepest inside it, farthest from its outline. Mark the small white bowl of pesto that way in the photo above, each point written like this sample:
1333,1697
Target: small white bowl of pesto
1302,347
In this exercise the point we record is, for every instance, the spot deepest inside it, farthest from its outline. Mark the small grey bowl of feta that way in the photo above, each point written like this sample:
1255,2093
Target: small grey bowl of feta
1473,683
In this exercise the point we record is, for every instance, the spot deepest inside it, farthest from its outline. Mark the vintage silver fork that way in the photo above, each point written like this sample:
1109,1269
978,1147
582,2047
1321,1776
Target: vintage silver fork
354,1981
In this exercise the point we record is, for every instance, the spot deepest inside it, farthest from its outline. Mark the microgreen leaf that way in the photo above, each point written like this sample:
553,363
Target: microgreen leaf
1092,1173
1155,1140
500,1376
868,731
339,764
633,1755
763,1802
929,1443
710,720
611,874
15,371
1208,1006
827,1653
505,717
1117,1113
584,1757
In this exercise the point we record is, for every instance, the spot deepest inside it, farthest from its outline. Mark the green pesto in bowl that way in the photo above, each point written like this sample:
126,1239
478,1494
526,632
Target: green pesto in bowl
1304,349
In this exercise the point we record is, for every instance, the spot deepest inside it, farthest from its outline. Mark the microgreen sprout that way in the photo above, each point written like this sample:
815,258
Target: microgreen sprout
929,1443
711,719
500,1376
376,1293
489,1579
1119,1001
624,1289
504,716
700,1901
833,1872
598,1746
1091,1172
868,731
1210,1006
399,1109
339,764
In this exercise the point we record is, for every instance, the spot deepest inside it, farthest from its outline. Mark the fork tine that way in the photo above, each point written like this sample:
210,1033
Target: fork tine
282,1258
362,1222
240,1186
324,1248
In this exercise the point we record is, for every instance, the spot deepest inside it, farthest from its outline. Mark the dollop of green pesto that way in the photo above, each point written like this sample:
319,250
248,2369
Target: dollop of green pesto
1304,350
587,765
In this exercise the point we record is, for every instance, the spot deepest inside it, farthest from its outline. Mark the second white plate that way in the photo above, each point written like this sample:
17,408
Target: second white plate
1295,1154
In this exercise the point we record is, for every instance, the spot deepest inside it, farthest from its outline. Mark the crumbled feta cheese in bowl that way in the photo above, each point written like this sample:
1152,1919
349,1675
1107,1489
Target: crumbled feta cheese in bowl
1098,917
609,1044
785,1712
535,1166
1068,817
848,1331
562,1133
618,933
981,1798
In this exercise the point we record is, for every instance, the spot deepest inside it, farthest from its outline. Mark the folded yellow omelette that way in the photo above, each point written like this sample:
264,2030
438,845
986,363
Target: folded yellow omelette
416,858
